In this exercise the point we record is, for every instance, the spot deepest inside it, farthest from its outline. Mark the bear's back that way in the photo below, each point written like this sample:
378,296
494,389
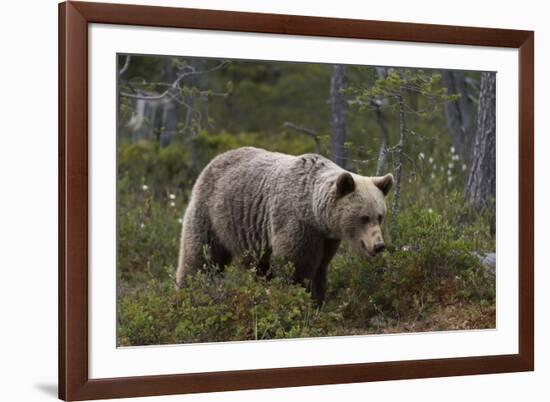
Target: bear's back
246,189
236,188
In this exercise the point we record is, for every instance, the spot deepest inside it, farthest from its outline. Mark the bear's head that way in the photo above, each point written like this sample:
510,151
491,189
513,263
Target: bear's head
359,210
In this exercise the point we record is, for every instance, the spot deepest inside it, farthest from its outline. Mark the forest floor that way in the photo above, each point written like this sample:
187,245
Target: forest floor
461,316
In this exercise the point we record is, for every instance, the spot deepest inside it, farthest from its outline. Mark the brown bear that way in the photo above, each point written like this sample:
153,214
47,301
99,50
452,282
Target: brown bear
251,201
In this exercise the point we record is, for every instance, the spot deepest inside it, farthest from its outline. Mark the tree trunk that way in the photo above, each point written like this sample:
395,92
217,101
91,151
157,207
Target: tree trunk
384,133
384,139
169,117
458,114
338,117
169,121
397,165
481,186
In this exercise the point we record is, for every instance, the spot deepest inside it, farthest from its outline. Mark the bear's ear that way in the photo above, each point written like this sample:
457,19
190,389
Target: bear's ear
384,183
344,184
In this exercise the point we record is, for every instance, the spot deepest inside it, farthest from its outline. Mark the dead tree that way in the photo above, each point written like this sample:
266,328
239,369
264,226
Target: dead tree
169,117
338,120
160,102
384,140
384,132
398,163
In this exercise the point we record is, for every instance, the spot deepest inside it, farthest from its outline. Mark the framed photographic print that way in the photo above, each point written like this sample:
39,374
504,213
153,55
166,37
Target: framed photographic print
258,200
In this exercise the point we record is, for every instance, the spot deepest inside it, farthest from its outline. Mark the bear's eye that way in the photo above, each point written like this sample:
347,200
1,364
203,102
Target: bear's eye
365,219
380,218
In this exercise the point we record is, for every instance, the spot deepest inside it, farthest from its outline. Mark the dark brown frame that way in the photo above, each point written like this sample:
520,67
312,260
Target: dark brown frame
74,18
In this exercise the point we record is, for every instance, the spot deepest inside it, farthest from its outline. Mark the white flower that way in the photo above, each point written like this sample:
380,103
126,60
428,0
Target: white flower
433,176
141,225
463,167
145,187
431,160
180,221
450,179
421,156
172,204
406,248
430,210
452,150
449,173
172,196
451,165
456,157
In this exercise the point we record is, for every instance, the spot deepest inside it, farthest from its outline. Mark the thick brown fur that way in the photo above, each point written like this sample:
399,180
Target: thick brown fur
253,202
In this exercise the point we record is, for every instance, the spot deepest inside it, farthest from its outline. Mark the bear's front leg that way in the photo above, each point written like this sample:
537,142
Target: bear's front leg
319,284
304,247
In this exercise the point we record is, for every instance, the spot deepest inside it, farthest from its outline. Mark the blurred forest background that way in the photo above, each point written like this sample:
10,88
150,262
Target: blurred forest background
433,129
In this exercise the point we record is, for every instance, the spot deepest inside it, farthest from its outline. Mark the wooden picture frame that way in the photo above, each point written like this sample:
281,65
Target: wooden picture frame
74,381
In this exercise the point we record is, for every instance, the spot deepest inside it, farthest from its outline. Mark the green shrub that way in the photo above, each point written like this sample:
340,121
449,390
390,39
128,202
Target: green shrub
148,233
431,264
213,306
162,170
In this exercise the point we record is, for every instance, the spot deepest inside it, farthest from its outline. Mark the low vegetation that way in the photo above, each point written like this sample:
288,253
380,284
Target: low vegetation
429,279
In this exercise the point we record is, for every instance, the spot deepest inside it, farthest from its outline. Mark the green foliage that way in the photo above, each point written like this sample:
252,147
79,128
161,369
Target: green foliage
143,162
400,83
211,145
420,94
431,264
213,306
148,232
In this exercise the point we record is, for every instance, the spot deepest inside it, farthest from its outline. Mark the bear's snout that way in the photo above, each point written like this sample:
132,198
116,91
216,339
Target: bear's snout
376,248
379,247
